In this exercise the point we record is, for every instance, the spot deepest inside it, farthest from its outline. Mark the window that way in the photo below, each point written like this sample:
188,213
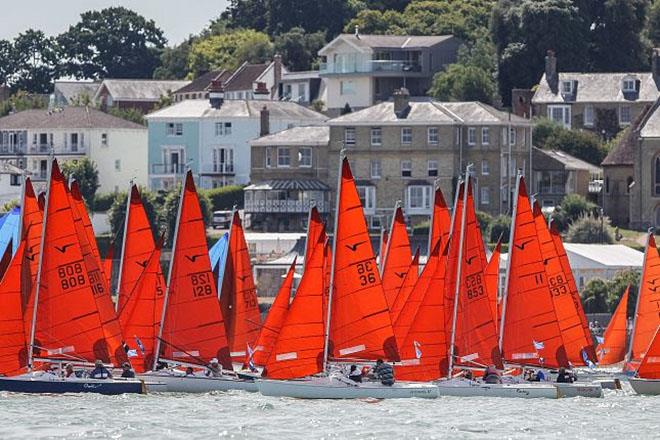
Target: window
485,168
269,157
419,197
222,128
561,114
349,136
376,136
629,85
485,195
472,136
305,157
283,157
512,136
406,168
173,129
223,160
589,115
302,96
551,182
406,135
624,115
104,139
433,136
485,136
567,87
376,169
346,88
367,196
433,168
118,165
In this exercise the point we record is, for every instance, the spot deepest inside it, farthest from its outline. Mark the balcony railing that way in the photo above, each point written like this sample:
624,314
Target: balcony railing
168,168
370,66
42,149
218,168
284,206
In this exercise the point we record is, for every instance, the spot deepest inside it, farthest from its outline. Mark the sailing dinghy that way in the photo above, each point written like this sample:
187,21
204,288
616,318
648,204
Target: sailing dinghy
647,378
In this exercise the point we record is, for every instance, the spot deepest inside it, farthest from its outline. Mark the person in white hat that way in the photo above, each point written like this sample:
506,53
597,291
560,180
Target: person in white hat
213,368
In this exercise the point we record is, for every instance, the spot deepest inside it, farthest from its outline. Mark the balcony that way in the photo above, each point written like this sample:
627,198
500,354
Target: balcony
371,66
216,169
168,169
284,206
42,150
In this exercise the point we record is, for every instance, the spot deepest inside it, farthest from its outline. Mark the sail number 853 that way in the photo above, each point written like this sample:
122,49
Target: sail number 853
366,273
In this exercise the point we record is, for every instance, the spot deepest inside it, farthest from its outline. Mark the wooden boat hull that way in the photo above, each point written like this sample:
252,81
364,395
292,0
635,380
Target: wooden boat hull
648,387
23,384
579,389
326,388
468,388
174,383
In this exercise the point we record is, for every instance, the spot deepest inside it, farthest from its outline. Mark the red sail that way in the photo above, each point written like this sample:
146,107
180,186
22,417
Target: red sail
6,259
649,368
647,312
425,347
275,319
573,323
382,250
142,310
79,205
397,258
298,349
193,329
138,245
613,349
475,341
452,260
31,231
315,229
409,283
531,334
107,265
75,315
441,222
13,347
360,323
240,306
492,275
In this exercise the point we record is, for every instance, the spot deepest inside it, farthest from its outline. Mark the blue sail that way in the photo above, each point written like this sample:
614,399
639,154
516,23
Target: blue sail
9,225
218,256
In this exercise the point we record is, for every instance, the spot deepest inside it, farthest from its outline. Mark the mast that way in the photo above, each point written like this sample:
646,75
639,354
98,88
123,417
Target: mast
639,293
40,266
169,277
457,291
397,205
342,155
508,261
123,241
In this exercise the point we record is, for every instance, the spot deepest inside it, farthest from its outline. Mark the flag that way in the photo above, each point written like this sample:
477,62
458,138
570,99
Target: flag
250,362
418,349
538,345
132,353
585,358
600,339
139,344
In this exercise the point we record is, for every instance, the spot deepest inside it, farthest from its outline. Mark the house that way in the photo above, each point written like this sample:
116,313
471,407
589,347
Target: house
557,173
199,87
249,79
288,173
302,87
213,137
399,149
118,147
139,94
362,70
74,93
602,102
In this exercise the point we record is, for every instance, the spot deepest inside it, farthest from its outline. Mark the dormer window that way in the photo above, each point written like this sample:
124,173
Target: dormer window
629,85
566,87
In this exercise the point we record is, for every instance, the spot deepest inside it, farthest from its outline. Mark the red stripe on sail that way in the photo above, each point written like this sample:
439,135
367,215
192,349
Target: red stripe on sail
441,219
13,346
492,275
613,348
397,258
107,265
409,282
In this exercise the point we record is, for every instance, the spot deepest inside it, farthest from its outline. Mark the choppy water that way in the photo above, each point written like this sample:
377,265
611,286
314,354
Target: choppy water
620,415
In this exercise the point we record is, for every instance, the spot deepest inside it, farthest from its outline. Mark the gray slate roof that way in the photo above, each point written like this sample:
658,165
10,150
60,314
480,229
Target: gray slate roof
141,89
313,135
237,108
598,87
427,112
200,83
245,76
651,129
569,162
76,89
65,118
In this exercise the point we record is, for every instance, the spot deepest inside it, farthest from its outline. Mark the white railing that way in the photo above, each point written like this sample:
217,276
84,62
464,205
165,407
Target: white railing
284,206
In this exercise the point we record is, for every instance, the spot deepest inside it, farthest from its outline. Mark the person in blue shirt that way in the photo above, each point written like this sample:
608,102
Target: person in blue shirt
99,371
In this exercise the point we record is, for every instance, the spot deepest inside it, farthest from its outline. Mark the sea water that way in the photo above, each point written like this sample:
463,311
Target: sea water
240,415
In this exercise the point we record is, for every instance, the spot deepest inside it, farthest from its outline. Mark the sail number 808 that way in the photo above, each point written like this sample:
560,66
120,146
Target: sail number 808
71,275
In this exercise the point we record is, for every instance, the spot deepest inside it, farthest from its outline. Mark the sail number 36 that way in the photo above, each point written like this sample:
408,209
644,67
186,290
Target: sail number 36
366,273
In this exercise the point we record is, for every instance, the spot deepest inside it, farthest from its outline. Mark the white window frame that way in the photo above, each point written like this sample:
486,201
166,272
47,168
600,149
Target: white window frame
268,163
433,136
349,136
305,163
484,195
104,139
564,89
588,115
628,85
485,136
369,204
406,166
406,135
513,135
117,164
432,165
472,136
424,195
565,114
283,156
375,169
621,120
376,136
485,168
174,129
346,88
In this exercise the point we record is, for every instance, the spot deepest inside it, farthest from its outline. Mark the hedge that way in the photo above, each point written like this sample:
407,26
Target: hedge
224,198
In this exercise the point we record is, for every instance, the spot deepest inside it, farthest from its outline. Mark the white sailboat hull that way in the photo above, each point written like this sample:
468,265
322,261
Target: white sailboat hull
176,383
579,389
649,387
331,388
469,388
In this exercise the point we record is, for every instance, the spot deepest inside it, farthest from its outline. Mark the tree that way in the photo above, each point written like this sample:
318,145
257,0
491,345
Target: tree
484,220
6,61
653,24
174,61
170,207
571,208
247,14
582,144
463,83
228,51
130,114
35,62
117,213
594,296
299,48
589,229
87,176
371,21
314,16
618,285
20,101
112,43
499,227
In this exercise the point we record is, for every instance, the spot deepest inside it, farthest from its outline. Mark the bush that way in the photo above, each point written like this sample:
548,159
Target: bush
87,176
169,210
103,202
224,198
117,213
582,144
570,209
129,114
9,205
602,296
422,228
594,296
484,220
589,229
499,227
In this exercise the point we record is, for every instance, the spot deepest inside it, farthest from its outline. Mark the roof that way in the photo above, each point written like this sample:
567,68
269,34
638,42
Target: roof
299,76
73,89
651,126
140,89
427,111
67,117
569,162
623,152
593,256
200,83
245,76
313,135
388,41
237,108
598,87
289,184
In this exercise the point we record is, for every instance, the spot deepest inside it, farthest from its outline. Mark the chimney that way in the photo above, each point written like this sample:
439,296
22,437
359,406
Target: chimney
401,102
216,93
277,75
521,102
655,65
261,92
551,75
264,126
